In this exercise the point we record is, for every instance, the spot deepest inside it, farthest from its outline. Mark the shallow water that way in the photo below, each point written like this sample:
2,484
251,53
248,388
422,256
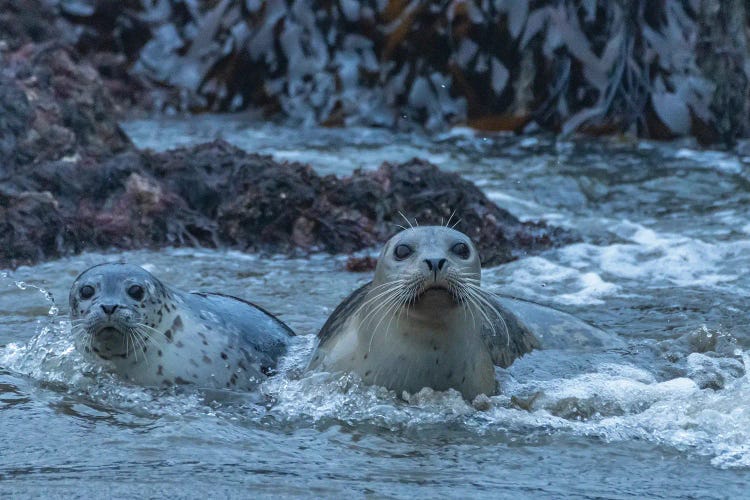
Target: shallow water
665,253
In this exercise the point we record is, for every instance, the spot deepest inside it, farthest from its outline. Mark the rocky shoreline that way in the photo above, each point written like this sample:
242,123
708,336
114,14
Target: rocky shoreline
71,181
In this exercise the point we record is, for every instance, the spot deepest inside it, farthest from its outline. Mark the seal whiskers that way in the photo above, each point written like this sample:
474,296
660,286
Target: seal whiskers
477,294
387,309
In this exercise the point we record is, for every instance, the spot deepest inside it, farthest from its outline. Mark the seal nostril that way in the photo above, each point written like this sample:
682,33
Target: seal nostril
435,264
109,309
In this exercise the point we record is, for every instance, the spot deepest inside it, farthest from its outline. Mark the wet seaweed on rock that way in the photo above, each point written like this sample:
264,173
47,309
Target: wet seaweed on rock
216,195
54,107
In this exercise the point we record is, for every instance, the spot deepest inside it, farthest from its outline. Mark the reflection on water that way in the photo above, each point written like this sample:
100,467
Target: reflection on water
666,243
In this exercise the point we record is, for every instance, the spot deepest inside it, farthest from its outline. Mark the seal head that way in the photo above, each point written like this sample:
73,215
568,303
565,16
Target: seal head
119,307
433,267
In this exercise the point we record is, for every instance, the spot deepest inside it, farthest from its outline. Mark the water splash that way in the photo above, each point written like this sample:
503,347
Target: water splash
22,285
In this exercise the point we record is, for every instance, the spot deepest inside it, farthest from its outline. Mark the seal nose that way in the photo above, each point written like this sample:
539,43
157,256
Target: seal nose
109,309
435,265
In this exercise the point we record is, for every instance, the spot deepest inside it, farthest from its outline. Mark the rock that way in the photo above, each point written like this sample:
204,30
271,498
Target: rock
482,403
54,107
218,195
701,340
15,118
360,264
28,21
31,225
429,196
710,372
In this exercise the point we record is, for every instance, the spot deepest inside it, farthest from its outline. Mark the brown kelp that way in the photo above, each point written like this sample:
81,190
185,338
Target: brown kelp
659,69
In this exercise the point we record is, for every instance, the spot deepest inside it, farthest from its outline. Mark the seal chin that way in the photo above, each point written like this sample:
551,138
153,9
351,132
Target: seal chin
107,333
109,341
435,295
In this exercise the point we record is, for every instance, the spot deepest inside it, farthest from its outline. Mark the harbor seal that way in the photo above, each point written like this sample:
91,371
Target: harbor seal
424,320
154,335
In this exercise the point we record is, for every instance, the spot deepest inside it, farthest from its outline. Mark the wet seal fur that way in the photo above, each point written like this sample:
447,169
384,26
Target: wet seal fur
154,335
424,320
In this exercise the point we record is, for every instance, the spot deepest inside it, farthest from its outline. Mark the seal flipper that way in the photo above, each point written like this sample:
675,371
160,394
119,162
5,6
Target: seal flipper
552,329
509,340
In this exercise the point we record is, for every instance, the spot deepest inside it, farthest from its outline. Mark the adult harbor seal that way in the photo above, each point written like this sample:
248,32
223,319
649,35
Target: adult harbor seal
424,320
153,335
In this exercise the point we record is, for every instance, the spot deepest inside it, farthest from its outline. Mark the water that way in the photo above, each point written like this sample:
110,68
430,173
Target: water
662,266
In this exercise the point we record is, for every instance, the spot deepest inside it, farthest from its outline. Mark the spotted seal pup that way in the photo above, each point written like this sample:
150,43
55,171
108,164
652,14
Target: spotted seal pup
424,320
153,335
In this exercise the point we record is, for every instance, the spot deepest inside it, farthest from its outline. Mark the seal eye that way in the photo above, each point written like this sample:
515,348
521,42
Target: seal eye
86,291
462,250
136,292
402,251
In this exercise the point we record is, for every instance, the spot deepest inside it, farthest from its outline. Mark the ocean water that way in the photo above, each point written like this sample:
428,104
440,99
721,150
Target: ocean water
662,267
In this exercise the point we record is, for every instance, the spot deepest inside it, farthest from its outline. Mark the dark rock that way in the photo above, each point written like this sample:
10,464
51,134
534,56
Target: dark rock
217,195
28,21
428,196
710,372
15,118
702,340
360,264
100,33
31,226
54,107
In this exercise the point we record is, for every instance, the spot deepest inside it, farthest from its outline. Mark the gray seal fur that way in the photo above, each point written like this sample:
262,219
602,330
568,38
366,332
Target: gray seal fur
425,321
154,335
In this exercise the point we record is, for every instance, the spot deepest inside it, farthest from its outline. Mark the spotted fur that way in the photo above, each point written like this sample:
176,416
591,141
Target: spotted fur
170,337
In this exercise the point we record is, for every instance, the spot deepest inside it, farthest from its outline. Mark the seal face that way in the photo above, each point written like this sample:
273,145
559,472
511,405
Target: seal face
152,334
424,320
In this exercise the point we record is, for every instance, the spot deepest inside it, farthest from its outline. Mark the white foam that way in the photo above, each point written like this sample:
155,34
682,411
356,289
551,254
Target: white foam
661,258
713,423
530,278
593,290
613,400
720,160
585,273
620,402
